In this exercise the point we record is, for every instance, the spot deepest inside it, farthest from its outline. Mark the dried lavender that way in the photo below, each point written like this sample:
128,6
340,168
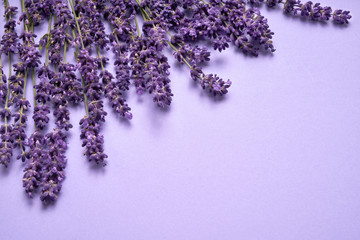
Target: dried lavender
8,47
43,91
139,61
62,87
29,54
28,60
93,141
309,10
53,173
111,90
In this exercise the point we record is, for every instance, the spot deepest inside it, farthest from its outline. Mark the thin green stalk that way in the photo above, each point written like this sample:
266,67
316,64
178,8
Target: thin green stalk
1,71
137,26
24,89
147,15
65,45
98,51
22,10
142,13
82,79
76,46
6,96
34,90
8,89
77,23
34,83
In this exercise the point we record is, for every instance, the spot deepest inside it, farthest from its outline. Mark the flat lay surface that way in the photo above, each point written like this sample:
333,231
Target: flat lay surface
277,158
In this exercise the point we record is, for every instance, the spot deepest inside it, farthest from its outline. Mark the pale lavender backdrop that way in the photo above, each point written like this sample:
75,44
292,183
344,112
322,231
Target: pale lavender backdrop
277,159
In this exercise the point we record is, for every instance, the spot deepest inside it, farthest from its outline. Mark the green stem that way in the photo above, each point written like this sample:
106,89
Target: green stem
142,13
1,71
34,90
82,79
147,15
23,10
34,83
137,26
76,46
77,23
8,89
98,51
25,80
65,50
47,47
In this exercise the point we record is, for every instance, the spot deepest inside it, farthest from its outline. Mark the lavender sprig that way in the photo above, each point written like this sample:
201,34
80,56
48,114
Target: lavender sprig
310,10
192,57
63,87
53,171
111,90
37,156
8,47
29,55
90,125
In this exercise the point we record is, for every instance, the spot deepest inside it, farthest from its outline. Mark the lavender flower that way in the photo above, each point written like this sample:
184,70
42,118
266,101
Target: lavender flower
341,17
312,11
90,124
6,144
273,3
10,38
43,90
90,15
53,173
17,99
150,71
40,116
37,156
3,86
69,83
118,103
93,141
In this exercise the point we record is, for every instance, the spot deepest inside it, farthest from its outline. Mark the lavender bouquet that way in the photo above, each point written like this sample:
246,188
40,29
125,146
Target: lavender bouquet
140,61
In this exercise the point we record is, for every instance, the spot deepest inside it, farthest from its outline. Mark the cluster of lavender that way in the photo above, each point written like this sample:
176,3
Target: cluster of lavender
9,44
91,32
139,60
38,154
311,10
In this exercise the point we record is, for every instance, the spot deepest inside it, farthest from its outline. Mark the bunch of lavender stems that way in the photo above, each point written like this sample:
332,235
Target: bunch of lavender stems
139,61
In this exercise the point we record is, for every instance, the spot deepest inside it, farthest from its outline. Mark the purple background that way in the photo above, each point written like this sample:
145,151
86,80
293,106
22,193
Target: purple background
277,158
